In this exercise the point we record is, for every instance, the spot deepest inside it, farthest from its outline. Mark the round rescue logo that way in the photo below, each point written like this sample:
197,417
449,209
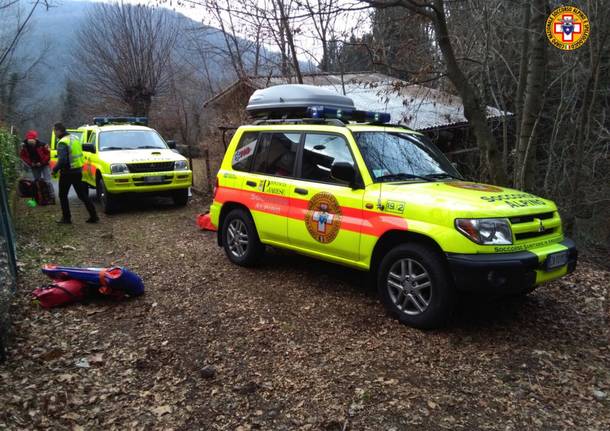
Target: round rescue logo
474,186
323,217
567,28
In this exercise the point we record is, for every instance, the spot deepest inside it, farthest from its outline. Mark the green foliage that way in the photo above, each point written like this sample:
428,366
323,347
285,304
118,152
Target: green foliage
9,157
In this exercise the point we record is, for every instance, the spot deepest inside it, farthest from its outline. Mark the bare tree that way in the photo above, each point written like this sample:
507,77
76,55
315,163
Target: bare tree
127,53
474,110
322,15
525,167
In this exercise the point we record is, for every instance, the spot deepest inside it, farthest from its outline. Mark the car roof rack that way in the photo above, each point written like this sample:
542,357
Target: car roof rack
326,121
297,103
106,121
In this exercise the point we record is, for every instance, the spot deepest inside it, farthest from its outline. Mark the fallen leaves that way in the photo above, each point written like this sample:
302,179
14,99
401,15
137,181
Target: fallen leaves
162,410
292,344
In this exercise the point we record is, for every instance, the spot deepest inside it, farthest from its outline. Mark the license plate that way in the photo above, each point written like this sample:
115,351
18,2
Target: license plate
556,260
153,180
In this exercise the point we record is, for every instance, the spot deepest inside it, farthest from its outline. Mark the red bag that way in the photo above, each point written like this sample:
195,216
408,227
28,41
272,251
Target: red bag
60,293
205,222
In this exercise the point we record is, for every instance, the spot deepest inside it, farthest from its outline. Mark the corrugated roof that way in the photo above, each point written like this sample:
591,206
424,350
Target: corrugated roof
416,106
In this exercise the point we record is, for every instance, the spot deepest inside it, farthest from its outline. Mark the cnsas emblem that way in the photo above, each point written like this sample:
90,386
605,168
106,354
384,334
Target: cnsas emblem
323,217
474,186
567,28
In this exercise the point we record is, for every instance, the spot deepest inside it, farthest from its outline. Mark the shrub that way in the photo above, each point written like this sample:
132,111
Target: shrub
8,157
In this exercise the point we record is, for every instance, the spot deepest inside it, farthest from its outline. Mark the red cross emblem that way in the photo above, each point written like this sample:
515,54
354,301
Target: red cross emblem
567,28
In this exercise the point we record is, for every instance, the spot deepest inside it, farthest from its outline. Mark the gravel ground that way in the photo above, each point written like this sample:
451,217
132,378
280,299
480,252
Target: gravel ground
293,344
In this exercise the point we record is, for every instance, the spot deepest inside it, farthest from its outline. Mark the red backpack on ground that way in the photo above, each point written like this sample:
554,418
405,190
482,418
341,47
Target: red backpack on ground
60,293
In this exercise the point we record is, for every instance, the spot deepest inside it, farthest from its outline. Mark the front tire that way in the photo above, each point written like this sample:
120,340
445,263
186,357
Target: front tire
180,197
240,238
415,286
107,200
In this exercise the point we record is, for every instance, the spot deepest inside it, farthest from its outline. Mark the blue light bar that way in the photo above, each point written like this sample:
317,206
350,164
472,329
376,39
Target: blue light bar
348,114
102,121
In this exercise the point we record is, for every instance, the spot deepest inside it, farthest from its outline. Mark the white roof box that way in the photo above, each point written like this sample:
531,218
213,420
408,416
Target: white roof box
293,99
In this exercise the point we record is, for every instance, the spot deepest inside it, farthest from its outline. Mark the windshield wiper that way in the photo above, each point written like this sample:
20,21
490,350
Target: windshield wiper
144,147
442,175
112,148
402,176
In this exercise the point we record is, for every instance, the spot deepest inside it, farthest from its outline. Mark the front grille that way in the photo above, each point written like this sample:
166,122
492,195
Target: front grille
532,226
529,235
139,168
528,218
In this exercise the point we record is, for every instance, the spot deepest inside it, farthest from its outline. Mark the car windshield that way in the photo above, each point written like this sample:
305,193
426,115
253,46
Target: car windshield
130,140
397,156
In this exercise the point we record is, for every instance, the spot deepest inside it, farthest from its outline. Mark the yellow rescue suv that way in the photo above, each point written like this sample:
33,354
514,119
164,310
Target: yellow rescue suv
314,175
123,157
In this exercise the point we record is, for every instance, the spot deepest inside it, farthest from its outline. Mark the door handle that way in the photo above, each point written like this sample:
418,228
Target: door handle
251,183
301,191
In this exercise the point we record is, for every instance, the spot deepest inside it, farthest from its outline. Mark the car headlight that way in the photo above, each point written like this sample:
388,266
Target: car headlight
181,165
486,231
119,168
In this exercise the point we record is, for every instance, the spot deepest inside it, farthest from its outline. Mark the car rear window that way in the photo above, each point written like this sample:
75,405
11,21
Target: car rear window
242,158
276,154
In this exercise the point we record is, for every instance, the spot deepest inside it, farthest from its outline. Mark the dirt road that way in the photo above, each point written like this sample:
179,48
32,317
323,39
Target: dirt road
294,344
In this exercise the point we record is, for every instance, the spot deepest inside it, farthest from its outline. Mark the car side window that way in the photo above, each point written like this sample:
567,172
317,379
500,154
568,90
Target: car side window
242,157
91,139
276,154
319,154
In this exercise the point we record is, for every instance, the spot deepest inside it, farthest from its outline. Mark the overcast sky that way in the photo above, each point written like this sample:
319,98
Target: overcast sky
354,23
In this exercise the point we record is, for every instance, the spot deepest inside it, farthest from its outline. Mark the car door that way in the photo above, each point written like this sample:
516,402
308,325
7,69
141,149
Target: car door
325,214
265,182
89,157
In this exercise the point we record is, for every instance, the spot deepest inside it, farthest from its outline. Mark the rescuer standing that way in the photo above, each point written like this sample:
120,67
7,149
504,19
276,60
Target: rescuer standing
70,164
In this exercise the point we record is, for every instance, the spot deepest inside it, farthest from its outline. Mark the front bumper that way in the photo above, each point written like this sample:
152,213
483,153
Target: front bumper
139,183
507,272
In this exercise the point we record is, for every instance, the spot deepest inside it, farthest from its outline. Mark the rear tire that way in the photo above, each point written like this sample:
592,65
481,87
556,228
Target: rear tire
107,200
180,197
240,239
415,286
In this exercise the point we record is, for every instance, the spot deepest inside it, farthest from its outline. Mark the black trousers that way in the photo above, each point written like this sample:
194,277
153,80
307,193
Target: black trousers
74,178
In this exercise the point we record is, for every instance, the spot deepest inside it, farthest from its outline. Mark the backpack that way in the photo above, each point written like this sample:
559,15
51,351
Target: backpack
25,188
43,192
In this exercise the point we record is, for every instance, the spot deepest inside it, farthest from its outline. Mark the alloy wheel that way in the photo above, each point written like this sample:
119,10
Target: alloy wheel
237,238
409,286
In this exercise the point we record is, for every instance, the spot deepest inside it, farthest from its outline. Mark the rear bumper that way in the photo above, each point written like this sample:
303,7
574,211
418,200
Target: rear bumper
507,272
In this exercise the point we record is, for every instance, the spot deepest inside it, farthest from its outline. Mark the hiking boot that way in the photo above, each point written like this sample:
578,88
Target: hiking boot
63,221
92,219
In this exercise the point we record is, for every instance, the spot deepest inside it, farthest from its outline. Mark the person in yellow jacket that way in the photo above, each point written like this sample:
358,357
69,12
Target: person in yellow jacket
70,166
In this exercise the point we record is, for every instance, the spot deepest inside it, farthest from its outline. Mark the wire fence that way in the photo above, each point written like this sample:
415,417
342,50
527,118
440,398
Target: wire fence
8,263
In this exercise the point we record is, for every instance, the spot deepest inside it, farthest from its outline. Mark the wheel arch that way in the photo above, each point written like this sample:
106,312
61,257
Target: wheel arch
394,237
227,207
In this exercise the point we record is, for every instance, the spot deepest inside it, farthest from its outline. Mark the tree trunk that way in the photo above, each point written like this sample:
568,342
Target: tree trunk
473,109
290,41
525,166
525,43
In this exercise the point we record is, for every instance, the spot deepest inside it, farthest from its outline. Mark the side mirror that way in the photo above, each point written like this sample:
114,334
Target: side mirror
171,145
90,148
343,171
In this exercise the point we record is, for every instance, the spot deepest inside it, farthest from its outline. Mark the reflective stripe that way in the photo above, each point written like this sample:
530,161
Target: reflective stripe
372,223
